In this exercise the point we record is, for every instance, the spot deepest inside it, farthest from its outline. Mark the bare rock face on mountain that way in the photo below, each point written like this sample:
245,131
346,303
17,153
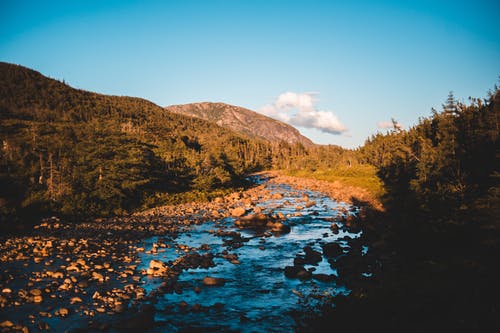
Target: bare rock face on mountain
244,121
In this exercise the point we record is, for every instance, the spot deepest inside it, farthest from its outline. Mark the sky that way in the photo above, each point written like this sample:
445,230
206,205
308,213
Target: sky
339,71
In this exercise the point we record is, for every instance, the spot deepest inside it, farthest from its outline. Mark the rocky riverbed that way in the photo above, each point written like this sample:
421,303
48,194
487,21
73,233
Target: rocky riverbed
250,261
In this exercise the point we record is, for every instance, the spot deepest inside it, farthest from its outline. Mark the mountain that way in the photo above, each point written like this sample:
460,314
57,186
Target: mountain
75,152
243,121
79,153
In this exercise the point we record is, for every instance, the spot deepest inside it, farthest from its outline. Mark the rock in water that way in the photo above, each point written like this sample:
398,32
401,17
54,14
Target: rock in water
238,211
213,281
257,220
62,312
157,268
312,257
297,272
278,227
332,250
335,228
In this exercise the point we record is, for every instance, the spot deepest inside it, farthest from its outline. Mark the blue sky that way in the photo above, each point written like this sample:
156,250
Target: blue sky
339,68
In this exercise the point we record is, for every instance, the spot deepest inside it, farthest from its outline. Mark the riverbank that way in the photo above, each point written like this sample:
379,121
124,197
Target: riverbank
95,275
336,190
221,206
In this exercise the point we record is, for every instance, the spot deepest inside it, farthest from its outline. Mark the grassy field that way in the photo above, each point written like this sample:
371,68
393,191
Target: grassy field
359,175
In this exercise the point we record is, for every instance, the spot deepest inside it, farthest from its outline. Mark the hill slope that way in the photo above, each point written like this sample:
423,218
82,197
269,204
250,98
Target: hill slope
244,121
79,153
73,151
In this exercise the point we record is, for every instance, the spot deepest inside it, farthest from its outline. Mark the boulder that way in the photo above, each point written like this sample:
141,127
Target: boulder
257,220
292,271
75,299
257,217
6,323
238,211
304,275
297,272
331,249
98,276
35,292
335,228
62,312
352,224
219,200
311,256
257,210
278,227
158,268
309,204
213,281
194,260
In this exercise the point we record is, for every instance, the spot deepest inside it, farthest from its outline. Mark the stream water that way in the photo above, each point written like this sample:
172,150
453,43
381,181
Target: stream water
267,277
256,296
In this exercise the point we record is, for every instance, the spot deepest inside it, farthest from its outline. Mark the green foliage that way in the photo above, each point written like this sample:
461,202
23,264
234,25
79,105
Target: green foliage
80,153
446,164
84,154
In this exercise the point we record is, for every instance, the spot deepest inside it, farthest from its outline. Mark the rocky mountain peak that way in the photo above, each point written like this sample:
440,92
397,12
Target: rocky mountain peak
244,121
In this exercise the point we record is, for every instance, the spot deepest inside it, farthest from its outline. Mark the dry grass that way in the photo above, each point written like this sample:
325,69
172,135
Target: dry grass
358,175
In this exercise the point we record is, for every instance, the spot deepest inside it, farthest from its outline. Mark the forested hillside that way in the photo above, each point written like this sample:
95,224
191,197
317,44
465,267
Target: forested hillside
74,151
79,153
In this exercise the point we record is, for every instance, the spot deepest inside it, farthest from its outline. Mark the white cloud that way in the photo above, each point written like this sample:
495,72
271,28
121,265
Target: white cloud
322,120
299,109
303,102
271,111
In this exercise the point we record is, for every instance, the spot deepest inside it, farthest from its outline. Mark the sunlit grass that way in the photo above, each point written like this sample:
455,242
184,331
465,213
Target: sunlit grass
359,175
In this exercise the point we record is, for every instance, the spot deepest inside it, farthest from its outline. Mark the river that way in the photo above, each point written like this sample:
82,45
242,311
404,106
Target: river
93,276
256,296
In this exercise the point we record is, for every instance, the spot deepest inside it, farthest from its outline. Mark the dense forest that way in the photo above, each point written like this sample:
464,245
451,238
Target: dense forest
447,166
438,240
79,154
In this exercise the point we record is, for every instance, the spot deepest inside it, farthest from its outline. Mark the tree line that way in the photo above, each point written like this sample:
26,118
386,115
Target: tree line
78,153
447,165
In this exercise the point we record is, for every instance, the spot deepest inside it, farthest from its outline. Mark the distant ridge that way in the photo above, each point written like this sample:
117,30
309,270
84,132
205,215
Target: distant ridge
243,121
